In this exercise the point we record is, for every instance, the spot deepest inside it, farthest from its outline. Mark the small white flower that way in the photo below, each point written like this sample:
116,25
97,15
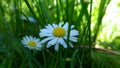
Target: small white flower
57,34
31,43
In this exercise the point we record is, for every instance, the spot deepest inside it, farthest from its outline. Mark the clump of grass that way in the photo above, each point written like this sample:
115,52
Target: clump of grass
15,24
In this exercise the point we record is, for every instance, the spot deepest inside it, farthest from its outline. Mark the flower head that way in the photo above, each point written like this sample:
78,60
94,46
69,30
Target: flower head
57,35
31,42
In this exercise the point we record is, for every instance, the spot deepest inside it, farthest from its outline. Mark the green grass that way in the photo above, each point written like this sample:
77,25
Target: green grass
77,12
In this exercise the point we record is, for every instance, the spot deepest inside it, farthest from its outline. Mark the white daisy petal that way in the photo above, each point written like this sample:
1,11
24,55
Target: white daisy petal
72,26
54,25
71,45
49,27
30,37
45,31
74,39
39,47
71,38
60,24
49,45
65,37
24,40
53,41
47,39
65,26
37,39
43,35
27,38
73,33
62,42
34,38
57,47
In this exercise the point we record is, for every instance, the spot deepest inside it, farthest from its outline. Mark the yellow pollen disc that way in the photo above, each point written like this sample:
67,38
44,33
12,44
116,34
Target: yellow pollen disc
32,43
59,32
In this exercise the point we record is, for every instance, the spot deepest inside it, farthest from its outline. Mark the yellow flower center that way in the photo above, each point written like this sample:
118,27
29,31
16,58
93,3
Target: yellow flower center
59,32
32,43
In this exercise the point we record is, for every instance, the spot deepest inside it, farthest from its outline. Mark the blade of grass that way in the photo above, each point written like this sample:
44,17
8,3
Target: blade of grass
102,9
44,11
73,59
32,11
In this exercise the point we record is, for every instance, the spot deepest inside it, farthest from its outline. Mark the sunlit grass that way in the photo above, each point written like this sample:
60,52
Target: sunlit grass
88,19
110,28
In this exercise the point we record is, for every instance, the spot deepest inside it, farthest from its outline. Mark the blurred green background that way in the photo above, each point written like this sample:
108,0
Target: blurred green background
96,20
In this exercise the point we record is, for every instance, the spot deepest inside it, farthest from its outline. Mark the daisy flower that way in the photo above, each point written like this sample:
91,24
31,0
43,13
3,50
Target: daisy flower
57,35
31,42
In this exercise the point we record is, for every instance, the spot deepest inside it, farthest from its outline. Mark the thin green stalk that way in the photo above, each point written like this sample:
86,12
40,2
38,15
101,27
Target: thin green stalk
10,60
89,23
67,10
58,11
44,11
30,8
82,58
72,63
70,15
33,13
44,58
